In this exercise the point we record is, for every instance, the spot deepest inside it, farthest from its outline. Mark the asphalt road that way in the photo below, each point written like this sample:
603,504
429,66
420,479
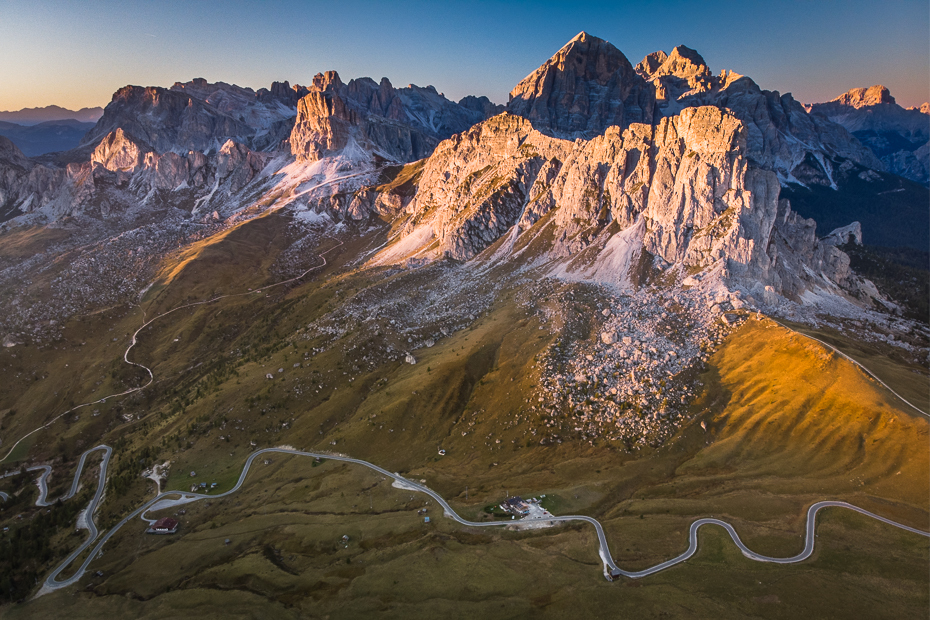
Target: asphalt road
611,570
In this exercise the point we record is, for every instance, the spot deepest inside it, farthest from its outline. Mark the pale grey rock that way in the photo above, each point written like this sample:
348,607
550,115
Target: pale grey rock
685,192
399,124
851,233
25,185
780,134
194,116
589,85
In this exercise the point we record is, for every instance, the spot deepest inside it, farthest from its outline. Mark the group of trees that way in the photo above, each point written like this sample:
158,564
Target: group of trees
27,550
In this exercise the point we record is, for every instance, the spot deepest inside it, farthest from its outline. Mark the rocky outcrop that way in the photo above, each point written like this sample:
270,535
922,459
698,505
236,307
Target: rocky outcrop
481,105
25,185
851,233
857,98
238,165
196,115
586,87
402,124
781,135
684,192
11,156
899,137
282,92
120,152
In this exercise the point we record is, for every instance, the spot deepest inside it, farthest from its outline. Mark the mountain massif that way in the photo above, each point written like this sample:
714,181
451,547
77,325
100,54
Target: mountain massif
899,137
663,162
603,293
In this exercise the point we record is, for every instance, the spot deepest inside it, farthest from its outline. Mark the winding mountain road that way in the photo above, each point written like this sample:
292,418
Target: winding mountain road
148,370
611,570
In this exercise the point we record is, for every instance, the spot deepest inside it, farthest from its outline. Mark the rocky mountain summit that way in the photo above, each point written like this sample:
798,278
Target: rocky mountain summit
195,116
586,87
589,85
899,137
396,124
781,135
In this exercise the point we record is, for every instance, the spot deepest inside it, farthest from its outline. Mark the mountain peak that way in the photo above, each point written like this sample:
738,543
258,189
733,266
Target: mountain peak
651,62
582,89
583,36
328,81
683,62
863,97
683,53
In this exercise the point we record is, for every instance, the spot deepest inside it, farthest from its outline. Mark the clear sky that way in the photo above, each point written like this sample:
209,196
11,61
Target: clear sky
76,54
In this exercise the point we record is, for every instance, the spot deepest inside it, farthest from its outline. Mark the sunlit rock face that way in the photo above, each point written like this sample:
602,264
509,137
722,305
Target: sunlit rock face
683,191
780,134
399,124
899,137
587,86
120,152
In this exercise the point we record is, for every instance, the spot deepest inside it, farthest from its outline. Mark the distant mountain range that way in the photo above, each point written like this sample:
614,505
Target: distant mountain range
899,136
34,116
37,131
46,137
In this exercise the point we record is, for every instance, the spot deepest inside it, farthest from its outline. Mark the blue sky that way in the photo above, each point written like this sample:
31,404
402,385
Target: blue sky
77,54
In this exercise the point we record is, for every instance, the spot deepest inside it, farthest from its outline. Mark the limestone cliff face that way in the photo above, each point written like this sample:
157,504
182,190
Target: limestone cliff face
401,125
781,135
23,183
196,115
683,192
120,152
587,86
323,124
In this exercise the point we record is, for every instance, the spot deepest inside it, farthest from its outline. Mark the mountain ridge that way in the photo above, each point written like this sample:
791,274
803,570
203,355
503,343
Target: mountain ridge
899,137
210,152
34,116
